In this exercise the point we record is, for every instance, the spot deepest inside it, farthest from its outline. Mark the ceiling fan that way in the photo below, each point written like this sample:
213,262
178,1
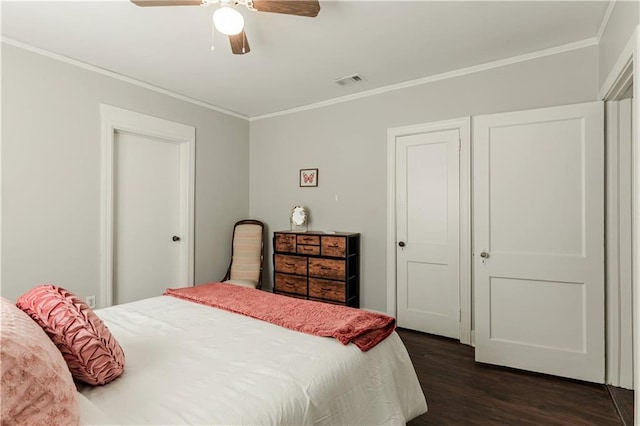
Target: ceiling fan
229,21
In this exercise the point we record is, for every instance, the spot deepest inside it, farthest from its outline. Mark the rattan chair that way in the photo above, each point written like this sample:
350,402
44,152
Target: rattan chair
247,254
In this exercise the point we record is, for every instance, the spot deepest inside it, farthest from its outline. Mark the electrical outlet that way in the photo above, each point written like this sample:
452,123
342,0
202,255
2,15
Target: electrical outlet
91,301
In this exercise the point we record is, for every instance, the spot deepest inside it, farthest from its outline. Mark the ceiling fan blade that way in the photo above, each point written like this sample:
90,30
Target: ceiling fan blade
239,43
145,3
288,7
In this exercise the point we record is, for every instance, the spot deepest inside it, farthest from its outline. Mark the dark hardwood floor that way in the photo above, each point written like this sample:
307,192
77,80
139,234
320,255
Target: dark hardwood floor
623,401
461,392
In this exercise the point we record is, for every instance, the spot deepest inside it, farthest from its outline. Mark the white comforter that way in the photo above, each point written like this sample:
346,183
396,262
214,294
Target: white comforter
192,364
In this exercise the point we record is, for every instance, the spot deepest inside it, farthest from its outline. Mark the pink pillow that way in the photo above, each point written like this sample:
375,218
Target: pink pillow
91,352
37,388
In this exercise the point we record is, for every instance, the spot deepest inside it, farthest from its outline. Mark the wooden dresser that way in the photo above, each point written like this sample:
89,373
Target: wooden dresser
317,266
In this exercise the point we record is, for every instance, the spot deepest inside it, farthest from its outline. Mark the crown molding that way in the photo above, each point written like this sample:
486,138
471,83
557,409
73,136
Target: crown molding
438,77
117,76
593,41
605,19
621,75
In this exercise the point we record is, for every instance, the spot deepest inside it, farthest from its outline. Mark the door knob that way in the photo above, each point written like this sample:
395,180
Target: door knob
401,244
484,255
176,238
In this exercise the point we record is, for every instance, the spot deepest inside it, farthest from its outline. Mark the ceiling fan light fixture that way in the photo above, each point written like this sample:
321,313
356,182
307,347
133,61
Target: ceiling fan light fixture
228,21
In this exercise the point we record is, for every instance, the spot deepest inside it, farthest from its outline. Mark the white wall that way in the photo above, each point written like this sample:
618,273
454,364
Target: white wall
347,142
623,20
51,172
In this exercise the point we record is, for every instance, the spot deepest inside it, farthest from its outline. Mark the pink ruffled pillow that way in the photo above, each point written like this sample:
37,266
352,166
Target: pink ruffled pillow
37,388
90,350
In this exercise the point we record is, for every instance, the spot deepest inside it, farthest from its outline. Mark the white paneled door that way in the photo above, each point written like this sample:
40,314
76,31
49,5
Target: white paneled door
147,220
427,232
539,240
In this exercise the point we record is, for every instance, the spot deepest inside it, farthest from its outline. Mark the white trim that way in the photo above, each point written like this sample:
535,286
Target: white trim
466,249
116,119
620,77
391,223
443,76
605,20
117,76
635,165
612,246
1,179
187,207
463,125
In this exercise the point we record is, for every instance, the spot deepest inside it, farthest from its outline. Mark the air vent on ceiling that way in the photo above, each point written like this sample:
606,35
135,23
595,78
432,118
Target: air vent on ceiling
350,80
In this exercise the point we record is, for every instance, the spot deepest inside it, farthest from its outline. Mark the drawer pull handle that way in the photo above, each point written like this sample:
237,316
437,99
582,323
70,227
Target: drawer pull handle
334,245
326,289
290,264
325,268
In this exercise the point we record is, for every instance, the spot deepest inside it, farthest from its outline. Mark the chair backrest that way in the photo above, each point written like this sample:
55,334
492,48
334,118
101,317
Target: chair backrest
247,252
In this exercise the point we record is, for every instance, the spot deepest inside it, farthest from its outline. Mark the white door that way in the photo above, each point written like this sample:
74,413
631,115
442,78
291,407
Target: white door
427,220
146,217
539,223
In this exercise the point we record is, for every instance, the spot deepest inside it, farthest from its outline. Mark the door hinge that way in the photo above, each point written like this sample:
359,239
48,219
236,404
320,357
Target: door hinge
460,315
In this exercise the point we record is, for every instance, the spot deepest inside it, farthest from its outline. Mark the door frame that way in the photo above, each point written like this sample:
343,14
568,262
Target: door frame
113,120
619,326
616,83
463,125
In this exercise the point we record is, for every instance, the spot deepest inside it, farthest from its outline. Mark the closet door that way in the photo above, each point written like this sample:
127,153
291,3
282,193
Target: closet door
428,232
539,240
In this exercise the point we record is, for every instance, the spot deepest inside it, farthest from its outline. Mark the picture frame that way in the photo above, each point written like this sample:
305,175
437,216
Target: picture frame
308,177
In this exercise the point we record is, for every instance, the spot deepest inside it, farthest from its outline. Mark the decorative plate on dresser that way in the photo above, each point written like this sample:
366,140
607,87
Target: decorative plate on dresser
317,266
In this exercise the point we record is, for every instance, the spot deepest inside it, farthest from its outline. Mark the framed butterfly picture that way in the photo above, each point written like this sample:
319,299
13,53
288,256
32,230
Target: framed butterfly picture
308,177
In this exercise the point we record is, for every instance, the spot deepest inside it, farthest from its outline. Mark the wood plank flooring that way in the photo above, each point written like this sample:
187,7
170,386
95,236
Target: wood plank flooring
461,392
623,401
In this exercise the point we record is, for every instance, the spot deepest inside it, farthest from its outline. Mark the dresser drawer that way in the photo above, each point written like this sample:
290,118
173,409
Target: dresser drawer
285,243
334,246
303,249
291,284
309,239
290,264
325,289
327,268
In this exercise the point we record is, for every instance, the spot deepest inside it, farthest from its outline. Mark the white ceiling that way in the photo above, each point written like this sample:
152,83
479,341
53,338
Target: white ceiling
294,60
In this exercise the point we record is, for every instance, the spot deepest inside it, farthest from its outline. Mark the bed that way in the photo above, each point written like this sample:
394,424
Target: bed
192,364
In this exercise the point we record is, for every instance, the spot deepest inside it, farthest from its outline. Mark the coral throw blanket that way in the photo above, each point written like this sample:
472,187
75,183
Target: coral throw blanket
364,329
